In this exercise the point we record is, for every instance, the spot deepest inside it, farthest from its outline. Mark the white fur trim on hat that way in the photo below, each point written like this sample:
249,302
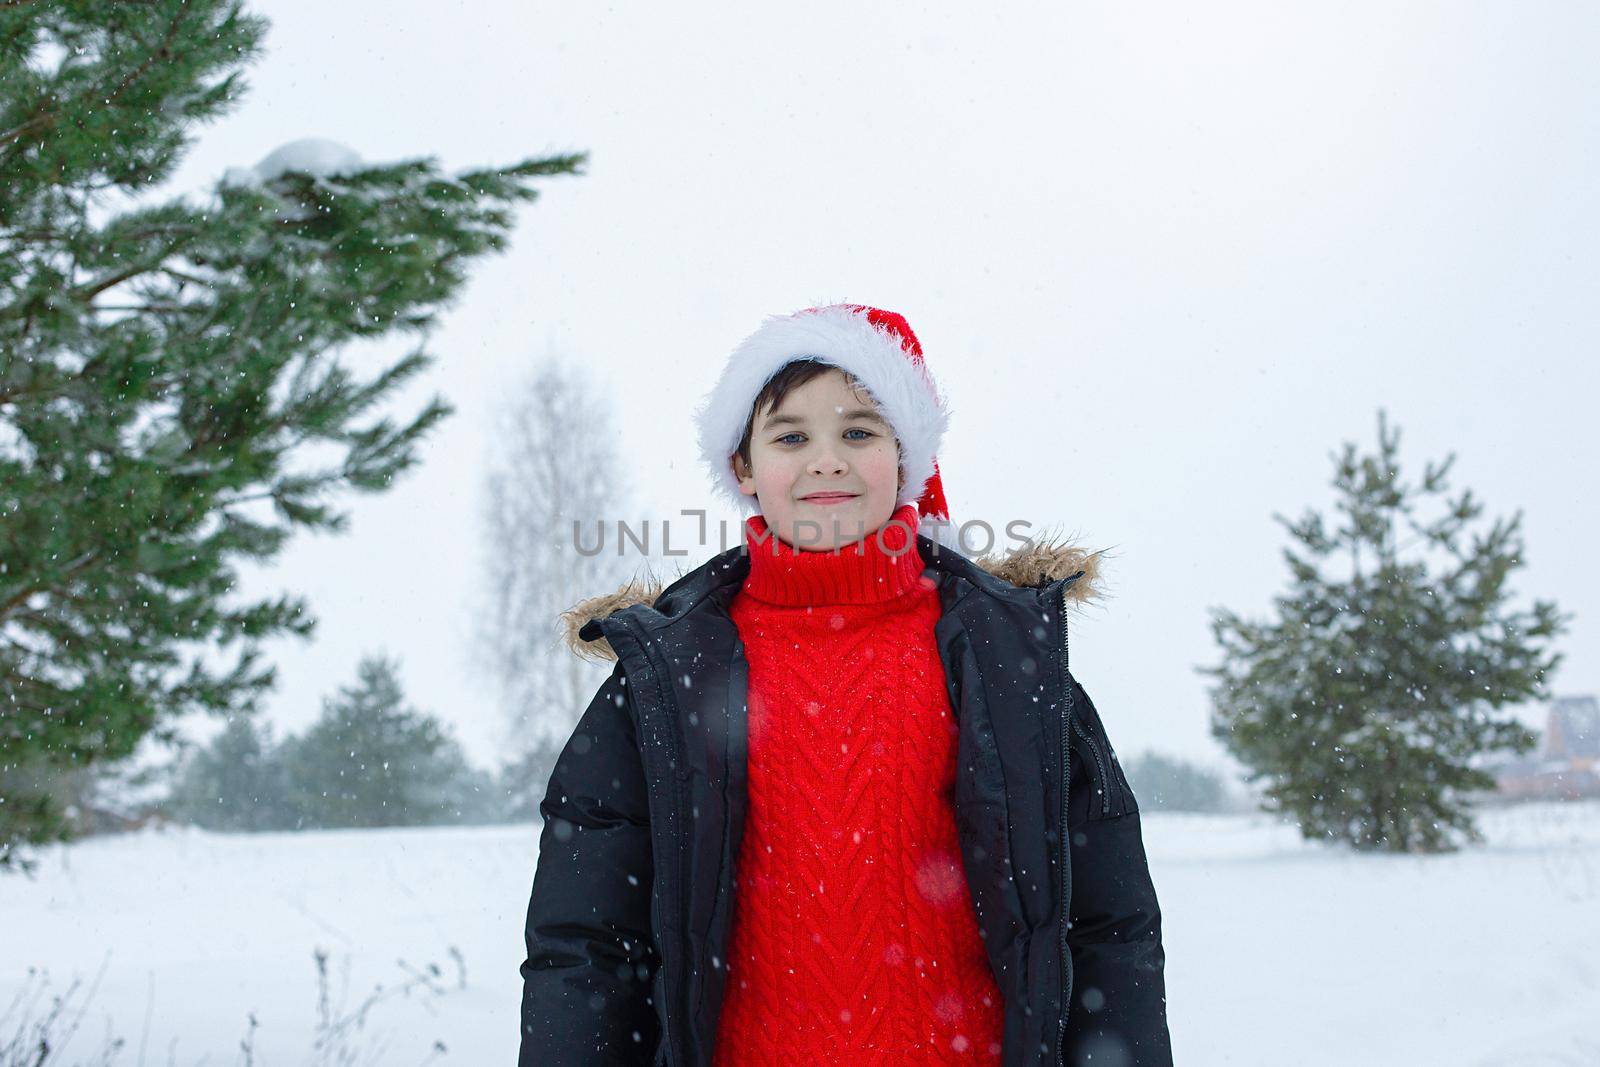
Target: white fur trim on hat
906,393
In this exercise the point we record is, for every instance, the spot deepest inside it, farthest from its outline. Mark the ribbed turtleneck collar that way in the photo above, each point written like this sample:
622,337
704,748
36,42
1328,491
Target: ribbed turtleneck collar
878,567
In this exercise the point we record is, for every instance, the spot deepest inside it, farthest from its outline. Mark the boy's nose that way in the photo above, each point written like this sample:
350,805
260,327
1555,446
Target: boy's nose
827,462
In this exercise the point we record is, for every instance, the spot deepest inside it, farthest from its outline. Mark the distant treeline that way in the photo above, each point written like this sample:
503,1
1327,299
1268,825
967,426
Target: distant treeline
1166,783
367,761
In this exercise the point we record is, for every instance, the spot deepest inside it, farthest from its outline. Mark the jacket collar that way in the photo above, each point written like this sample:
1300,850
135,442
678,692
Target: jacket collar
1025,571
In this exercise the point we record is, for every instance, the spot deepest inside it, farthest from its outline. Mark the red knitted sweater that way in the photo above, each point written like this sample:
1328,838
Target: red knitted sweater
854,938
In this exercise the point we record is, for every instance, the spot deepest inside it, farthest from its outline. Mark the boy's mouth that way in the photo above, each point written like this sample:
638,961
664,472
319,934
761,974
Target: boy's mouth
828,498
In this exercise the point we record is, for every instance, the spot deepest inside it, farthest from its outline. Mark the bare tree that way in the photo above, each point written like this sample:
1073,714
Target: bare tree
552,466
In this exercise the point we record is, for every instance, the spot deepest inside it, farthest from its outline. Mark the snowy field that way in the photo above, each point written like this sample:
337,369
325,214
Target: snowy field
1278,952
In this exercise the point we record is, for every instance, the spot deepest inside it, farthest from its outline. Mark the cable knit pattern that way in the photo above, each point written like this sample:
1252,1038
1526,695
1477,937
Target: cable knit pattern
854,937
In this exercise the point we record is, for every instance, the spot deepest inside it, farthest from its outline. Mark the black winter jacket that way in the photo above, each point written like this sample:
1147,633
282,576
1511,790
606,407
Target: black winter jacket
628,921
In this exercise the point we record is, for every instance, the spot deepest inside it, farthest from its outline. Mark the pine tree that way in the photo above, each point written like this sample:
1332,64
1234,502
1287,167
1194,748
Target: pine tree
1363,703
371,761
234,783
173,393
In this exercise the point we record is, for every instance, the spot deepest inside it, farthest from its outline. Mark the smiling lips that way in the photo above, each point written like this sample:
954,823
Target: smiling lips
828,498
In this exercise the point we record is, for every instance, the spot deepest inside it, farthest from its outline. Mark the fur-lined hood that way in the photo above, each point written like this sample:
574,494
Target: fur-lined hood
1031,564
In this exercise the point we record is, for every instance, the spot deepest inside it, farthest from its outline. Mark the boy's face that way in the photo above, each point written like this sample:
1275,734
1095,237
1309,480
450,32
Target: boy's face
824,438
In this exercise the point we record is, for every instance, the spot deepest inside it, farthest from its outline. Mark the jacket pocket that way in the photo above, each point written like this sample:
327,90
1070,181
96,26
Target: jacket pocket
1106,793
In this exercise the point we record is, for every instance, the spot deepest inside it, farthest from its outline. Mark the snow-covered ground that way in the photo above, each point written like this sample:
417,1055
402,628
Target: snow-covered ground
1278,952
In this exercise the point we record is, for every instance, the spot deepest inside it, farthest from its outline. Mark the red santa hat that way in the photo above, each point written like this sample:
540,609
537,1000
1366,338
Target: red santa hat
874,346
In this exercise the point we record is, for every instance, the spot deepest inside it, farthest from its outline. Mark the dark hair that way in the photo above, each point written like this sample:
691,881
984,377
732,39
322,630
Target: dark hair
791,376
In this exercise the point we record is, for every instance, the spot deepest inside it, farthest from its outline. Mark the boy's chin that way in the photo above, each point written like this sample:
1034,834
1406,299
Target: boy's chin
820,532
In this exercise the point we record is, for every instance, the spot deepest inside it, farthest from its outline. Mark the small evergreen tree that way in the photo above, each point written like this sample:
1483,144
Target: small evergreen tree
1363,701
371,761
167,368
234,783
1163,783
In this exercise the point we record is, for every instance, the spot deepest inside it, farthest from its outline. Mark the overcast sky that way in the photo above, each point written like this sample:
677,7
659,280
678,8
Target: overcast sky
1162,259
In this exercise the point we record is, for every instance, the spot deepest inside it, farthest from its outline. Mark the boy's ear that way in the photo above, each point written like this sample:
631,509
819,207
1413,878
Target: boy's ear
742,472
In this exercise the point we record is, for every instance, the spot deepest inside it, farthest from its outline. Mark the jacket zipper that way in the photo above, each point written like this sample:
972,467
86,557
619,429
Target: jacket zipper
675,835
1066,840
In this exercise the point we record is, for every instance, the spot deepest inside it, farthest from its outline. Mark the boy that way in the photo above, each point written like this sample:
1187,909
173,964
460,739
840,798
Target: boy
819,811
